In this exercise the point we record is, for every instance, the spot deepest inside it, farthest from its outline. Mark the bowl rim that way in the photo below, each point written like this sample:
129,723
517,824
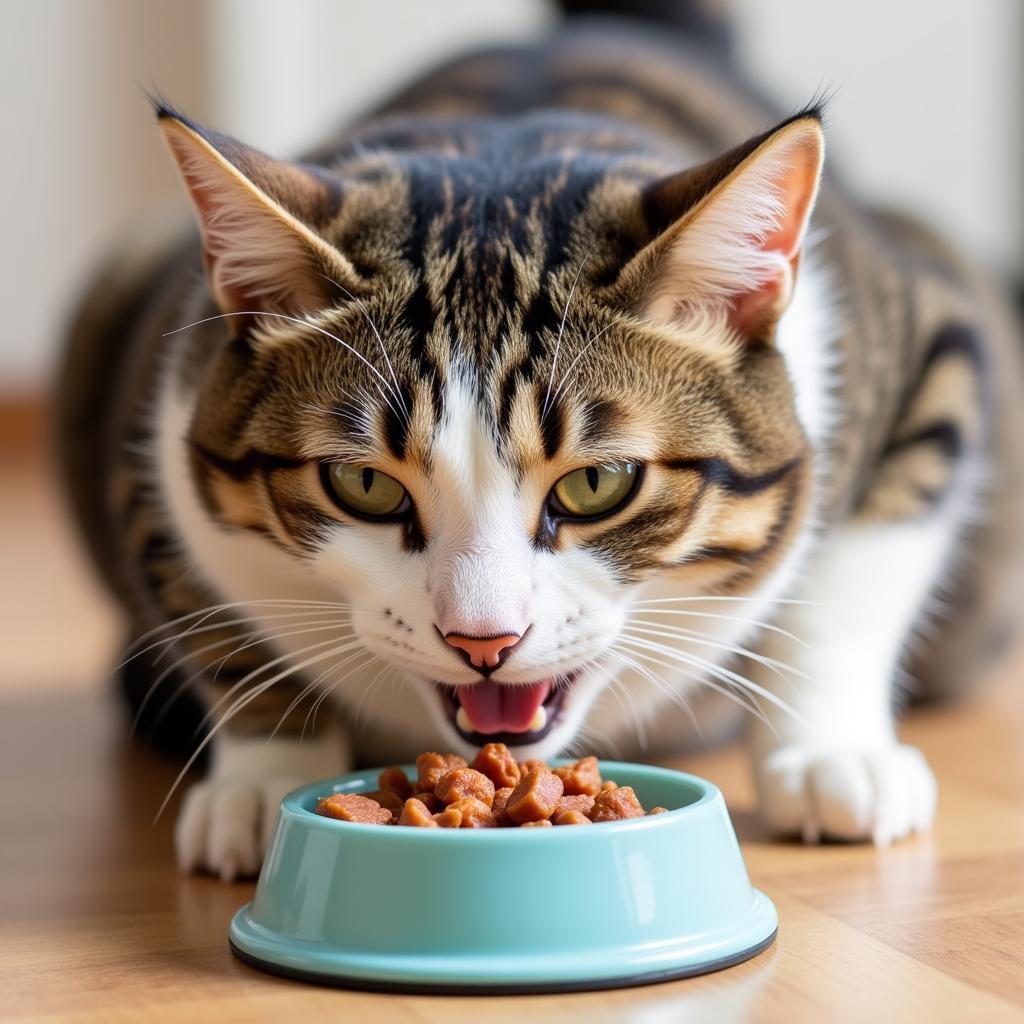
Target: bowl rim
295,804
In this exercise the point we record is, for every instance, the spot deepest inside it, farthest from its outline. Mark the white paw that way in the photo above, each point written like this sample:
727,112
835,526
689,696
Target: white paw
877,795
225,825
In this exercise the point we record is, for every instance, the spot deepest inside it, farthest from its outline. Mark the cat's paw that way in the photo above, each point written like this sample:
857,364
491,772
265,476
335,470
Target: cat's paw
225,825
877,795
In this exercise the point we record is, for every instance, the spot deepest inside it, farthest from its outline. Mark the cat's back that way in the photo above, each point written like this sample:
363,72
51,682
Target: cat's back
677,90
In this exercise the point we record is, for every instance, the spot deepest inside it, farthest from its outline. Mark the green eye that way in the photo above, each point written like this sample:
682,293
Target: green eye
364,490
595,490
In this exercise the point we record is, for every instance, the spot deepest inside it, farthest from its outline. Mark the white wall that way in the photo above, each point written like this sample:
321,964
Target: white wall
927,113
323,61
79,157
927,109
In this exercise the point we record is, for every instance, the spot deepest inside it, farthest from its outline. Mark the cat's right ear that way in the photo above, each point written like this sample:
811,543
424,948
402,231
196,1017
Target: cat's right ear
258,220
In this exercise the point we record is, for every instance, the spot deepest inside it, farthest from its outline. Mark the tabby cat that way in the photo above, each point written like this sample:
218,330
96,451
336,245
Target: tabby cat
540,407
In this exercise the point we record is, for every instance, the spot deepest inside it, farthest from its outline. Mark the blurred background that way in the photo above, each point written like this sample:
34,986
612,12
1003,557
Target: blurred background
927,114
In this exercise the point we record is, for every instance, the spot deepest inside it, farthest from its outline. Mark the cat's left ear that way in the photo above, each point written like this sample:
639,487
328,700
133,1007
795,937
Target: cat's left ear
733,231
258,219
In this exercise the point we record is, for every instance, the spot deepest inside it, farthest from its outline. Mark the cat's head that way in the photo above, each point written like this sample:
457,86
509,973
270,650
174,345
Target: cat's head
486,381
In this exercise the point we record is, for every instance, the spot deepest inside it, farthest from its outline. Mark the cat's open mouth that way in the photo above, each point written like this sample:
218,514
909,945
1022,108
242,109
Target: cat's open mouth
517,714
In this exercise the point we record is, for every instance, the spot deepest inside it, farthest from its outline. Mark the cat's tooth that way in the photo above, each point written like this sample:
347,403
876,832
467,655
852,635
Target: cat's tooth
463,721
539,720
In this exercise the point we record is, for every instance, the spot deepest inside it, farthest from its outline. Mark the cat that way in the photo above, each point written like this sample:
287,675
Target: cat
563,402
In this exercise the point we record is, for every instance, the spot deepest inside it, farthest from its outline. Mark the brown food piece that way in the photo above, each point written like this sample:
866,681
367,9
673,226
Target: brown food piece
535,797
465,782
525,767
387,798
500,799
616,804
431,766
657,810
577,802
450,817
353,807
495,760
532,824
475,813
396,780
415,812
607,785
428,798
571,818
581,778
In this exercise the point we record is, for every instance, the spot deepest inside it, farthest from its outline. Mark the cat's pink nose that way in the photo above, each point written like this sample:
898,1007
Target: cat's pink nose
483,651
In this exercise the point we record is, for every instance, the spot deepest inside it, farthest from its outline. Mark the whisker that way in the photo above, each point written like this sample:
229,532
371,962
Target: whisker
302,323
661,686
357,425
209,610
234,710
590,736
567,379
718,671
370,687
779,667
736,698
558,341
188,656
618,691
250,676
313,711
197,629
723,674
184,685
729,618
213,668
306,690
615,684
380,341
701,598
156,684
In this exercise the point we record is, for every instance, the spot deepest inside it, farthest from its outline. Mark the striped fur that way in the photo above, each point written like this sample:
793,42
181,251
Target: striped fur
489,283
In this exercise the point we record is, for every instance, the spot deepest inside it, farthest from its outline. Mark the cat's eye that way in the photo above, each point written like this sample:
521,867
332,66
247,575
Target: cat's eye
595,490
364,490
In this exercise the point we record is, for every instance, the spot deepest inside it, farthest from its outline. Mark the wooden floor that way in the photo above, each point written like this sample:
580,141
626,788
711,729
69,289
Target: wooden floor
96,925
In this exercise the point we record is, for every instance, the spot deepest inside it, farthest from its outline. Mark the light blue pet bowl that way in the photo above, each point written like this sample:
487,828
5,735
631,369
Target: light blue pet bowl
506,910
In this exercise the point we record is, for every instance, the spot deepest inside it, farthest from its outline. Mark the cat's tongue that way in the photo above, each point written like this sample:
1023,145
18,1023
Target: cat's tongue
497,707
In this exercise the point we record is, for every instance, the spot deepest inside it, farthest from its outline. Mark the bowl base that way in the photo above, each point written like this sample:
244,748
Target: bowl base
503,988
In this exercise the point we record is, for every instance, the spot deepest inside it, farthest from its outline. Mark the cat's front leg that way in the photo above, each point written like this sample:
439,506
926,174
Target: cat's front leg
226,821
834,767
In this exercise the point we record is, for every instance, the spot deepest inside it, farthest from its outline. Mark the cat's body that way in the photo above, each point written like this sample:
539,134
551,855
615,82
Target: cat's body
503,278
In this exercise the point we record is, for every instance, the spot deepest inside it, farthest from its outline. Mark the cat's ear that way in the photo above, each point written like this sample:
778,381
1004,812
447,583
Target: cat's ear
733,231
257,216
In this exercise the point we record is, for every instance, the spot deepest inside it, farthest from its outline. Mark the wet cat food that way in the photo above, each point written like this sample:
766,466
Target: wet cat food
494,791
535,797
430,767
353,807
616,804
580,779
495,760
465,782
500,799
